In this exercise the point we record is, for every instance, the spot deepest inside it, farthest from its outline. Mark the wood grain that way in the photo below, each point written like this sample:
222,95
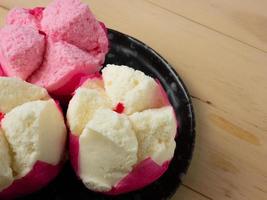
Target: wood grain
244,20
225,71
228,164
186,193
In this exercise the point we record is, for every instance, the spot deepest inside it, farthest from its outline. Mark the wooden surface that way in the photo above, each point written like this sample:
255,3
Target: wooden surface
219,47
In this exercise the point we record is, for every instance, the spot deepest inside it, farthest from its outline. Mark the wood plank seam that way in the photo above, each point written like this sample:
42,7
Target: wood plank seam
202,100
224,111
210,28
4,7
201,194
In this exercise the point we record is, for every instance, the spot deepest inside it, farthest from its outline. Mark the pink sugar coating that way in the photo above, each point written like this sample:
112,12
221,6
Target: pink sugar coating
21,50
23,16
62,62
143,174
73,22
41,174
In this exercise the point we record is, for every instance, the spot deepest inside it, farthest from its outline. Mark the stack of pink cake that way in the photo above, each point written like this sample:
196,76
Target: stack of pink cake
54,47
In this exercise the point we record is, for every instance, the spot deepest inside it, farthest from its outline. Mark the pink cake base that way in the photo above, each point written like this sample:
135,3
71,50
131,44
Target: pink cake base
1,71
166,102
2,115
74,152
65,93
41,174
75,82
142,174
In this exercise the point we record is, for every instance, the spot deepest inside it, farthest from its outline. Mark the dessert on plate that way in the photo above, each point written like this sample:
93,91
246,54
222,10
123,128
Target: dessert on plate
122,126
122,130
53,47
32,138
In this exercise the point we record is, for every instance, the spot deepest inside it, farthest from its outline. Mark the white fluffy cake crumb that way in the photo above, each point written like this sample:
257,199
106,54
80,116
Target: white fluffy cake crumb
6,176
35,131
94,83
155,130
132,88
112,143
108,150
82,107
14,92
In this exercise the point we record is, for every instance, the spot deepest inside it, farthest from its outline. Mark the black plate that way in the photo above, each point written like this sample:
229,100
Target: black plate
125,50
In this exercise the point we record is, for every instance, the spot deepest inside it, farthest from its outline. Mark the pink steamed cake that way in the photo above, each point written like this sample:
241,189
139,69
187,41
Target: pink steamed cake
41,174
62,62
68,26
73,22
21,50
23,16
1,72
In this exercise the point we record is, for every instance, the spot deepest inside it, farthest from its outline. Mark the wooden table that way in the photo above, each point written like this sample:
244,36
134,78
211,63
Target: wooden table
219,47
